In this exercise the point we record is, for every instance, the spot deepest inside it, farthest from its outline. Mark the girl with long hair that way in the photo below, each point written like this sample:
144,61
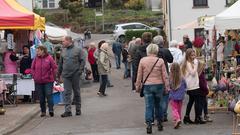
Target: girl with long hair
190,74
177,91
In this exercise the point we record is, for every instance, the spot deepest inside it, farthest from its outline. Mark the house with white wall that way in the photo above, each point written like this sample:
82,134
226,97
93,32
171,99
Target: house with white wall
46,4
27,4
154,5
181,12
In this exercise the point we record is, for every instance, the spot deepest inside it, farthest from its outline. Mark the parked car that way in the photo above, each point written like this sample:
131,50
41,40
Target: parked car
120,29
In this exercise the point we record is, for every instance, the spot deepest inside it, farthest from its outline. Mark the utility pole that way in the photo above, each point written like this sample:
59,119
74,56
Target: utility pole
103,15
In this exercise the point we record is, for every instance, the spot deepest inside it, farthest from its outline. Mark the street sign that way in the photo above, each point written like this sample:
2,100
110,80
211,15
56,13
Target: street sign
99,14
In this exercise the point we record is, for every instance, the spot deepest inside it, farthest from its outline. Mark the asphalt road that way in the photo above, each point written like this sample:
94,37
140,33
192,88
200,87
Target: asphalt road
120,113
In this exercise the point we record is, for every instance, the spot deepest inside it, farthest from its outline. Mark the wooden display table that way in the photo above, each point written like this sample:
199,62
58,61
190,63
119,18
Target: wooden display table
236,119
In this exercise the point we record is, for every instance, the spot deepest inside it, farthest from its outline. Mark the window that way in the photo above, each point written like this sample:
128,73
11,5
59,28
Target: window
44,3
199,32
129,27
139,26
51,4
200,3
230,2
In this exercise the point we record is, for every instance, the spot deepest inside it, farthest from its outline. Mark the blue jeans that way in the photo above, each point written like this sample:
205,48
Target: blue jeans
118,60
153,95
108,81
125,69
103,83
45,91
164,105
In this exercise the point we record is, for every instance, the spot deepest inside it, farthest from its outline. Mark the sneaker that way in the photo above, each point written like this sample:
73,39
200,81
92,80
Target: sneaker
104,94
207,118
100,94
43,114
78,113
66,114
177,125
51,114
165,119
151,123
110,85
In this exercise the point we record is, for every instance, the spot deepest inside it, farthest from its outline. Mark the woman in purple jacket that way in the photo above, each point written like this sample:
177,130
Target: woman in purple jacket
43,71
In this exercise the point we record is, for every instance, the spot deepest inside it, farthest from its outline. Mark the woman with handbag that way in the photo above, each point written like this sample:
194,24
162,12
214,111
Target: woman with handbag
152,70
103,68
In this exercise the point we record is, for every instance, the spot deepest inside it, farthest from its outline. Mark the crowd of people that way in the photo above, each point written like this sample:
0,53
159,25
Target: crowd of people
150,64
162,74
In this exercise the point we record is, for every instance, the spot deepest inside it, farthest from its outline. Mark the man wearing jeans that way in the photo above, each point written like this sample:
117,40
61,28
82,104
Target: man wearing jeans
70,68
117,50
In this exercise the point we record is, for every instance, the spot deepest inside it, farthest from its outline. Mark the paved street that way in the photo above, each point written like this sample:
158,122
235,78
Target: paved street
120,113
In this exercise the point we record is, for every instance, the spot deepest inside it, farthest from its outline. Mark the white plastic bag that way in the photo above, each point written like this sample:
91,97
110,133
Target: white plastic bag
214,82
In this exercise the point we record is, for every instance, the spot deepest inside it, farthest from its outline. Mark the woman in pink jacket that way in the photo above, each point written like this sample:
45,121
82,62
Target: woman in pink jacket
43,72
153,87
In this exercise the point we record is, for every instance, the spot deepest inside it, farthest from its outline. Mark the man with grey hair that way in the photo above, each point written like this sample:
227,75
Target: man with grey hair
167,57
164,53
175,51
132,52
70,68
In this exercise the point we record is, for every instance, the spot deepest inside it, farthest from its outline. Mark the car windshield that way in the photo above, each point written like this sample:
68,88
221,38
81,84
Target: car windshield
116,27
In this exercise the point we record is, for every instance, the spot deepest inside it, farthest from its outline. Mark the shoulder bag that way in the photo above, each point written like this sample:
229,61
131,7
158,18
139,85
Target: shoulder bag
142,87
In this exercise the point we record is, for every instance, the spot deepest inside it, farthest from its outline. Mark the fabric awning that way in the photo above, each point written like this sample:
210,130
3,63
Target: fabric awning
11,17
33,23
190,25
229,18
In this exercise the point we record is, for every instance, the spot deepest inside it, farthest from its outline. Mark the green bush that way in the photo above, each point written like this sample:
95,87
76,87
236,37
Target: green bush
138,34
135,4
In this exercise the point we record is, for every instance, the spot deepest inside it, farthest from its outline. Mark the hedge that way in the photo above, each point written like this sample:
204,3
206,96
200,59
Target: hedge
138,34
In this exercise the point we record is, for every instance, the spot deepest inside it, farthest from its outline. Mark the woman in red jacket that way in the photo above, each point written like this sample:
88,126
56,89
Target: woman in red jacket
93,62
43,72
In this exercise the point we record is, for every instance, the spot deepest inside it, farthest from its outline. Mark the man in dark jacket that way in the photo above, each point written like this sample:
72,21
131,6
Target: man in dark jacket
117,50
166,55
132,52
70,68
140,53
187,42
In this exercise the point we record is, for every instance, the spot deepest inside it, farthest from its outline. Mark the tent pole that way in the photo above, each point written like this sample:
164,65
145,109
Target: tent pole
214,64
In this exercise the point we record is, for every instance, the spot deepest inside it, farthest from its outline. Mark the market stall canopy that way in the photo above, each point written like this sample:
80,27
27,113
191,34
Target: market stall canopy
190,25
14,16
56,33
229,18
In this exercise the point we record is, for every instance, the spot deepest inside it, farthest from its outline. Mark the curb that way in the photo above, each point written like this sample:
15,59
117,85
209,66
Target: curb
21,122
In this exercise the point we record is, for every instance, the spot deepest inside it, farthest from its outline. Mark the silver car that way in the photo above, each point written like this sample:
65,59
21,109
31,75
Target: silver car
120,29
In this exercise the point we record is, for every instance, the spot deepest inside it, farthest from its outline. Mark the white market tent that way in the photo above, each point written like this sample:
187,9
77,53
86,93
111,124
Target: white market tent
229,18
55,33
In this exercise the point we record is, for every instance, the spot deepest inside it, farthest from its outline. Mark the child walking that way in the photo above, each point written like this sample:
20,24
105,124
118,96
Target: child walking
177,92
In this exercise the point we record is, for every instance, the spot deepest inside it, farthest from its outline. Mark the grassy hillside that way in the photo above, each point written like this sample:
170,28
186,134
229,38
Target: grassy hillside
87,19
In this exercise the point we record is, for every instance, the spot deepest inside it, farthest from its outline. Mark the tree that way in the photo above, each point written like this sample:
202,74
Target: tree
231,2
63,4
75,8
115,3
